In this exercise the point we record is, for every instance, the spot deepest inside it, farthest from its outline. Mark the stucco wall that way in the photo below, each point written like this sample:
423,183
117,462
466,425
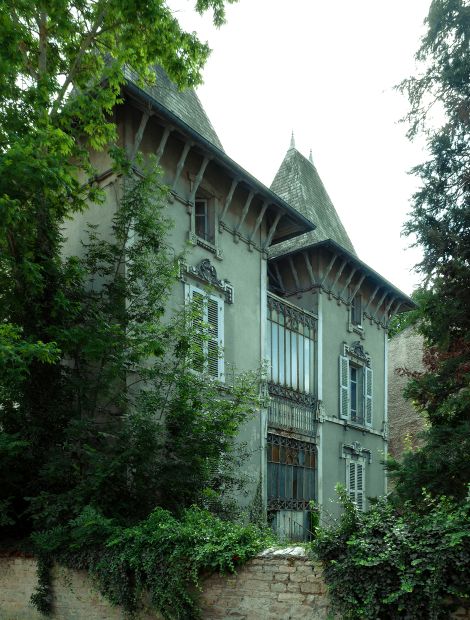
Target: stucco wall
405,351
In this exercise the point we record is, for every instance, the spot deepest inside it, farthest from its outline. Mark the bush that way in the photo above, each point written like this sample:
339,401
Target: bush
162,555
397,564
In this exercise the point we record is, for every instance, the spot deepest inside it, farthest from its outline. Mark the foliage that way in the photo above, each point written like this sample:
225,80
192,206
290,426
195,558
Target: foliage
162,555
439,99
402,321
397,564
42,596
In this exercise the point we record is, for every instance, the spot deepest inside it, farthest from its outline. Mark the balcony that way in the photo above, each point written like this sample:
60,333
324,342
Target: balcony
291,411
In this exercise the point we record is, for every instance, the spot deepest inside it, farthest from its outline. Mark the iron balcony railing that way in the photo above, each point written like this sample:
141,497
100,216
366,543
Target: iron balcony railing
290,410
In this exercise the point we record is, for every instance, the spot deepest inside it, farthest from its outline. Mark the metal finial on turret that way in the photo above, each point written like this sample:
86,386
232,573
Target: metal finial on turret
292,141
310,157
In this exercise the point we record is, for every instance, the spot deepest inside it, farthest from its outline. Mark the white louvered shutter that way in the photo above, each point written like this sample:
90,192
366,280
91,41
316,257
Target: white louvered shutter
209,333
360,486
215,320
343,387
197,298
352,481
368,381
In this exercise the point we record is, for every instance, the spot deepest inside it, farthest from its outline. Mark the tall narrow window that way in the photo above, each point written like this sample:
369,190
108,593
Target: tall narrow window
353,372
356,310
355,390
204,219
290,346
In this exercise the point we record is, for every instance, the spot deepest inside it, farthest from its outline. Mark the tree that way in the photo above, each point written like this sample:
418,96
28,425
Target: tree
440,220
70,435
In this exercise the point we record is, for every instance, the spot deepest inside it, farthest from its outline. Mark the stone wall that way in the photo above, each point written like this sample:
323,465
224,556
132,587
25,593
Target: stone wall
405,423
278,584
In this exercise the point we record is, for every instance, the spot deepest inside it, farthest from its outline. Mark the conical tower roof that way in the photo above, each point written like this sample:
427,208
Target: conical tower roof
298,183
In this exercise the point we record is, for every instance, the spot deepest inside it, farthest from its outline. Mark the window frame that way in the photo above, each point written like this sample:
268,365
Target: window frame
364,396
209,301
357,494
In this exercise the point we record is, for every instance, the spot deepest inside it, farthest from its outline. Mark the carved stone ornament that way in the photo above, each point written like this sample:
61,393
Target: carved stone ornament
355,450
357,352
206,272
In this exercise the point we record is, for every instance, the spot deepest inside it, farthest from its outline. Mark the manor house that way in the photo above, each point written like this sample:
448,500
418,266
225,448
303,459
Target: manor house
283,284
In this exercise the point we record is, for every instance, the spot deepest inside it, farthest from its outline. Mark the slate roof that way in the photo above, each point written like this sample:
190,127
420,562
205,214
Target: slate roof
184,104
298,183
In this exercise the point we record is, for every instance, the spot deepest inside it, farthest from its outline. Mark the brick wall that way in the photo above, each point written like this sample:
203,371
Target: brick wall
278,584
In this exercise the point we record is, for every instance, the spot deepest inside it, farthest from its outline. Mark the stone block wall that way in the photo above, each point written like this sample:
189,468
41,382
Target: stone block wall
279,584
405,350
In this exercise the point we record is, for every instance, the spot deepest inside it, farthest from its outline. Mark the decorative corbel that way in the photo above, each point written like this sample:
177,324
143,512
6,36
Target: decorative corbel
279,277
295,275
228,200
272,230
259,219
371,299
338,275
308,265
358,286
181,162
328,269
140,133
374,316
348,281
198,179
163,140
245,211
395,310
385,314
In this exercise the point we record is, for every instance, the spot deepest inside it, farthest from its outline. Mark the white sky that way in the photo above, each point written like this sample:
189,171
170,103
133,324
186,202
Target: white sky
325,69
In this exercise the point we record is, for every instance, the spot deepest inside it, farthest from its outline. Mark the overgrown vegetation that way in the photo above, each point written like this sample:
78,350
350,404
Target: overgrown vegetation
409,556
162,555
397,563
111,447
439,99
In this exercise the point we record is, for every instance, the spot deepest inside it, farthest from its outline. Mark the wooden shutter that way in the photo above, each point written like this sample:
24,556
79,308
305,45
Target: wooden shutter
355,473
343,387
197,298
368,386
209,335
352,481
215,319
360,486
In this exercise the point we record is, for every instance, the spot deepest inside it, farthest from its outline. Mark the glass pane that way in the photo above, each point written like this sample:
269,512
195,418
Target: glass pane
301,362
268,349
294,360
282,364
275,454
288,359
307,365
275,353
282,481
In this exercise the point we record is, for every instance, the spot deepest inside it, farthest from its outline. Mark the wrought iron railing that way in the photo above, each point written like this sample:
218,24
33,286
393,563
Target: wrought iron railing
289,410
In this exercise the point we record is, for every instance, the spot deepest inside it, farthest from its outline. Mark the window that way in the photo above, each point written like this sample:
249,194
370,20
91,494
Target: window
356,311
355,482
355,391
204,220
291,473
291,335
209,324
